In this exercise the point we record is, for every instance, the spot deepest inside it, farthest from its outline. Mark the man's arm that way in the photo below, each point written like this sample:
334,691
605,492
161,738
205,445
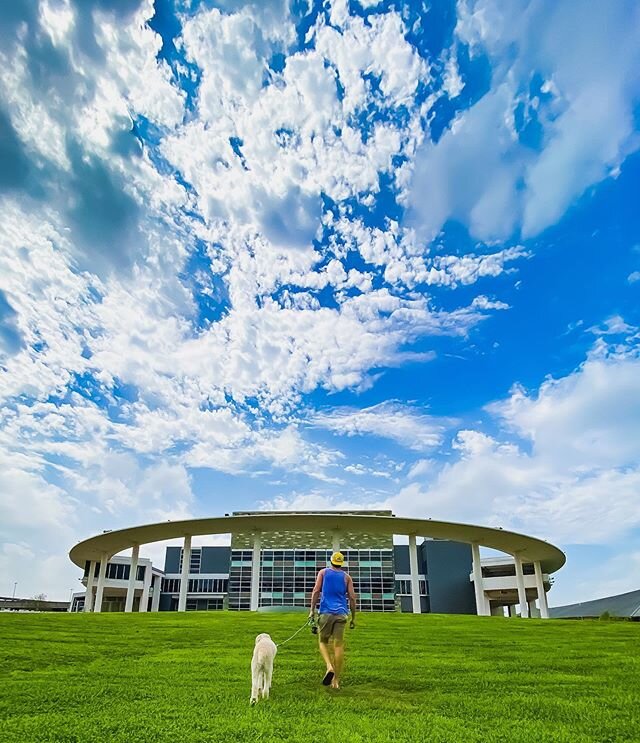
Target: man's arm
317,590
352,599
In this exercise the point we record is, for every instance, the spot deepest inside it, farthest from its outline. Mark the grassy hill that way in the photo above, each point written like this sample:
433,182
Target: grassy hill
185,677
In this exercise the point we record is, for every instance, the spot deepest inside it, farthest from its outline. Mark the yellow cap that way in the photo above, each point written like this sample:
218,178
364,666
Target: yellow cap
337,558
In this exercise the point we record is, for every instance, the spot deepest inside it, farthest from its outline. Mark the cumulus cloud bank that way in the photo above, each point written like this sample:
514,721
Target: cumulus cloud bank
558,117
217,219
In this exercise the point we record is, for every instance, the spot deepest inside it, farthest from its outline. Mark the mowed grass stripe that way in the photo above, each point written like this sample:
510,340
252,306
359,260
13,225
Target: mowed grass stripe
185,677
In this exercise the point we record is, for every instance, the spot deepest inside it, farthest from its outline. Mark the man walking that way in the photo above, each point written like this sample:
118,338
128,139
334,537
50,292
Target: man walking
334,588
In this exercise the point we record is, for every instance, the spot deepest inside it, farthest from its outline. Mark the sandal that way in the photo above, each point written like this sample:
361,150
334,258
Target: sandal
328,678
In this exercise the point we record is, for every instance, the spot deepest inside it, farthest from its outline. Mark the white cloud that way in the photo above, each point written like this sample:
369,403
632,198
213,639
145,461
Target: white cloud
481,171
590,419
29,503
262,451
452,83
404,424
360,470
118,378
420,468
138,328
312,501
37,572
399,252
614,325
565,466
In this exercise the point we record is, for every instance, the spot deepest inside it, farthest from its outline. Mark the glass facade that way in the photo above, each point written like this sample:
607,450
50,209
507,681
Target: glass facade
287,577
196,585
240,580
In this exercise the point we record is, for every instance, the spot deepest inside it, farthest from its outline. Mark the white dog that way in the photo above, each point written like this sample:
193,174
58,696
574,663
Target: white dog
262,667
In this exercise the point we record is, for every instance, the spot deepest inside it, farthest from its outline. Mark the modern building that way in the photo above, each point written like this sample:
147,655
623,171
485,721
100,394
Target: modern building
145,595
274,558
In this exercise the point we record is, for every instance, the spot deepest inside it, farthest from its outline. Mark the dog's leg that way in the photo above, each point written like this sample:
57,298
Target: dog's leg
255,689
267,679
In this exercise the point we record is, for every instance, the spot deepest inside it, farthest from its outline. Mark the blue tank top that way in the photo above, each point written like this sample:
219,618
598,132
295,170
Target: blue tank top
334,592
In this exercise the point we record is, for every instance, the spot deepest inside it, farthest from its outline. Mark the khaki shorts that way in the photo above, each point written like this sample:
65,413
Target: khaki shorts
332,626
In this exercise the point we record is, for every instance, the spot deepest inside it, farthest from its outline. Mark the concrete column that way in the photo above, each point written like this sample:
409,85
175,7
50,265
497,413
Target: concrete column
512,610
415,581
533,609
497,611
542,594
478,585
131,588
88,597
522,594
335,541
144,599
255,573
155,599
184,576
102,575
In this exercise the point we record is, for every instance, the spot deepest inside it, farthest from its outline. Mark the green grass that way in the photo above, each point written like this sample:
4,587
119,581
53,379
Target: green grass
185,677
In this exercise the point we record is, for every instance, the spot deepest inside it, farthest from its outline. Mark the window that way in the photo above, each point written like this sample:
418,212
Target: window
118,571
207,585
403,587
170,585
194,561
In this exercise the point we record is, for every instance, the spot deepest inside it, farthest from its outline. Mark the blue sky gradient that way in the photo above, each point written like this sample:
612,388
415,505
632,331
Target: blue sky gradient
298,254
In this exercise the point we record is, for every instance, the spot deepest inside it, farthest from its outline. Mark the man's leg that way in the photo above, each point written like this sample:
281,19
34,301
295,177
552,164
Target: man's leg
338,649
324,636
338,661
326,655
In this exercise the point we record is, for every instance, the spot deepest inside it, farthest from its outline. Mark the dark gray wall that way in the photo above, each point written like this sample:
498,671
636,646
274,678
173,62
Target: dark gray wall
401,560
172,560
406,604
449,566
215,559
165,602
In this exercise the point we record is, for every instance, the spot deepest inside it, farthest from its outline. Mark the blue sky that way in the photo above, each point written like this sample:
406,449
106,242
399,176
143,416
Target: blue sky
319,255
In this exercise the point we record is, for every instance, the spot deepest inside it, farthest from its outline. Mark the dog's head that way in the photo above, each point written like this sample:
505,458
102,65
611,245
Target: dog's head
262,636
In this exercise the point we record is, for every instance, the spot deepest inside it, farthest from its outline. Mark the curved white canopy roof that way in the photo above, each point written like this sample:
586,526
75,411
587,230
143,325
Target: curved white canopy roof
530,549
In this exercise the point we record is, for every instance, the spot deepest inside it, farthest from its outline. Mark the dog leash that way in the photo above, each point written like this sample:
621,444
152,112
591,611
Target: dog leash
278,644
